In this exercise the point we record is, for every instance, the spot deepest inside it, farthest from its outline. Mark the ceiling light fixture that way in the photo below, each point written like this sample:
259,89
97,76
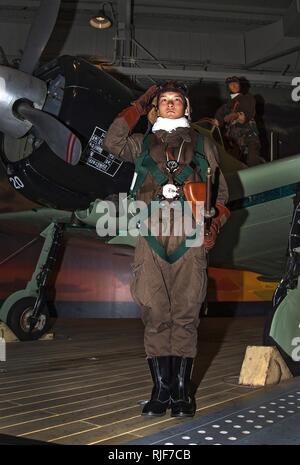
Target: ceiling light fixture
101,20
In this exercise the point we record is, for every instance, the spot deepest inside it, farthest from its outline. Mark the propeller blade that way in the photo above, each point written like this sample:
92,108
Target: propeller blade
39,34
60,139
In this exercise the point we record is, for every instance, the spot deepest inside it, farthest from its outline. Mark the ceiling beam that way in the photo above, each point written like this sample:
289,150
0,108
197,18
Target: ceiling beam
183,10
274,40
205,75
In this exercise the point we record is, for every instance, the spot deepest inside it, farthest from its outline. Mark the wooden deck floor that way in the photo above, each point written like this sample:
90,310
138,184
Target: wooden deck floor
86,385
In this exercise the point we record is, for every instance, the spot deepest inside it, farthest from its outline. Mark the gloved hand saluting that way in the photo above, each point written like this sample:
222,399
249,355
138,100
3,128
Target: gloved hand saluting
143,103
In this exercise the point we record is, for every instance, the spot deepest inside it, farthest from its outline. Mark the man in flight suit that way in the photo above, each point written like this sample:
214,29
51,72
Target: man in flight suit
237,116
170,278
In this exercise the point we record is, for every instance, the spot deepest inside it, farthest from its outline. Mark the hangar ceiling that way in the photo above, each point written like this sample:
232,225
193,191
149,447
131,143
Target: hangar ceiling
192,39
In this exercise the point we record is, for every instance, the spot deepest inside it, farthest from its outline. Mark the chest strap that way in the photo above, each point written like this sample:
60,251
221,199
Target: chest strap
199,162
159,249
145,164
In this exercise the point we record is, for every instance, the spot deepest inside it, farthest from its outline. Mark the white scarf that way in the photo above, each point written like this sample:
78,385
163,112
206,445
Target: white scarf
168,124
234,95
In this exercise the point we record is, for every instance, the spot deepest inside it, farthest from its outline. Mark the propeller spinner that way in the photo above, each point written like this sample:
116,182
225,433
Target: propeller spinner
22,95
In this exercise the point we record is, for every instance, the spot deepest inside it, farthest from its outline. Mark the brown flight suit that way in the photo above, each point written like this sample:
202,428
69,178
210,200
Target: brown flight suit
245,135
170,295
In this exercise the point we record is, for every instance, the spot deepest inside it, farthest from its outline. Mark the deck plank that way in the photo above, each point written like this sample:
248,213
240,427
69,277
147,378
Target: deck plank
86,386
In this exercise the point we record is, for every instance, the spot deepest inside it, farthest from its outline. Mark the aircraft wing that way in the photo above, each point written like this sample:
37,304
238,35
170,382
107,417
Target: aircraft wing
261,200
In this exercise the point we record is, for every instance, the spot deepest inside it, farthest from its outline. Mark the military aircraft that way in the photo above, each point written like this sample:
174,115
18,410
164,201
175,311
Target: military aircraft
52,122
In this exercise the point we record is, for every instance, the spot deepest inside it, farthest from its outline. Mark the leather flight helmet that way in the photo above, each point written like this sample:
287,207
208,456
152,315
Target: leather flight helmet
230,79
170,86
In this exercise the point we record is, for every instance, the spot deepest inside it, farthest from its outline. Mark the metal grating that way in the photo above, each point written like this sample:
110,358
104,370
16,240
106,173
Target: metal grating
234,427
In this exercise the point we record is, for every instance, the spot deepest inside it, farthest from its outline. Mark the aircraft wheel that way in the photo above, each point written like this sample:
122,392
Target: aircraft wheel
293,366
18,320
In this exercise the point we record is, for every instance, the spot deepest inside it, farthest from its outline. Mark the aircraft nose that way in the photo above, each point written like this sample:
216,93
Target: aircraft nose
16,85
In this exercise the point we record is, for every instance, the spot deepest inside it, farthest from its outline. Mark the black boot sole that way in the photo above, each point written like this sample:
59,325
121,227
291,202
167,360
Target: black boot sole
164,406
182,415
151,415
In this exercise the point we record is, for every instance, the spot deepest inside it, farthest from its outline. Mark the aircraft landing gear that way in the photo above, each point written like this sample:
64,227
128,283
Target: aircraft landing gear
23,323
282,327
26,311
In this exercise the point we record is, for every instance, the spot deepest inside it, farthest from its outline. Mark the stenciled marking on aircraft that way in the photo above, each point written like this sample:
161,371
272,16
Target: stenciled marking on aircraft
17,183
263,197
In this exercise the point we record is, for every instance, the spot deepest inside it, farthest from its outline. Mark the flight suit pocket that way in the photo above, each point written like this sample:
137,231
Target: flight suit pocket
135,283
146,284
200,257
198,287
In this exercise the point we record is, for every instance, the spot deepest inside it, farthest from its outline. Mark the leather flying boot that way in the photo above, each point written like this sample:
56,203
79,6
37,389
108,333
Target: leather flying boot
183,403
160,368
